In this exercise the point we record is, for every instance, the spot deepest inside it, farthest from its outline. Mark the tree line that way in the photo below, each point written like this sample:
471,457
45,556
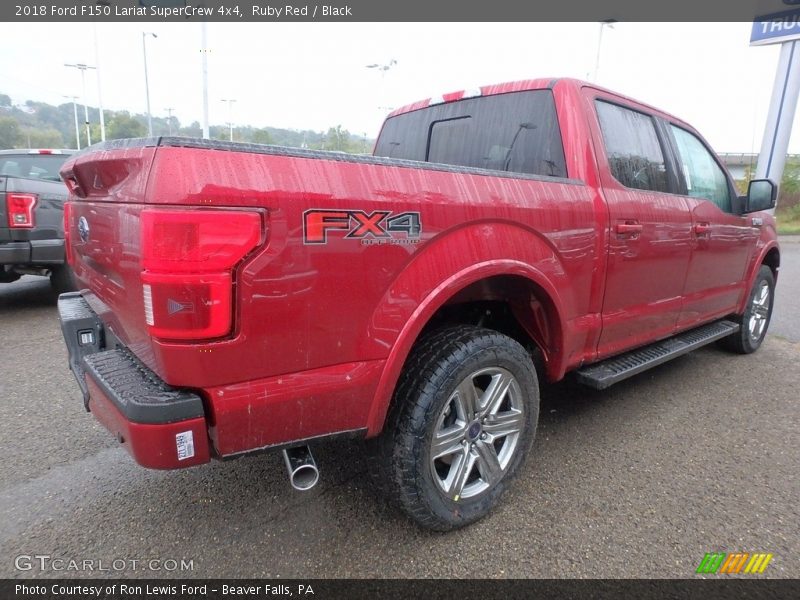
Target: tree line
40,125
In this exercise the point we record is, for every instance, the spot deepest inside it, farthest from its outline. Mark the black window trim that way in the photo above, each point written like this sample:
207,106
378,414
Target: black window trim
670,159
430,133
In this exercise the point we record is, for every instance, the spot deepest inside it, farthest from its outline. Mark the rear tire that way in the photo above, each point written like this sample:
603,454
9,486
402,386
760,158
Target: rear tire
62,279
463,419
755,320
8,276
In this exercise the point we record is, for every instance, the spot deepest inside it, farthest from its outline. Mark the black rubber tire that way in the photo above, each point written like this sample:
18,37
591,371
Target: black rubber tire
8,276
742,342
62,280
400,456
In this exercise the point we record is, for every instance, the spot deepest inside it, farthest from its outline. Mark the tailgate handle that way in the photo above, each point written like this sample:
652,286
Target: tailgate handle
629,227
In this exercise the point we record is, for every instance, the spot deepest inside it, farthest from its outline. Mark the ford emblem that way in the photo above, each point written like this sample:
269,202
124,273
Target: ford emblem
83,229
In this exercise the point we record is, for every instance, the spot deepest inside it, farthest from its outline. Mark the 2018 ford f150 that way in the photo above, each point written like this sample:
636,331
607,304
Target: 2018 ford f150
238,298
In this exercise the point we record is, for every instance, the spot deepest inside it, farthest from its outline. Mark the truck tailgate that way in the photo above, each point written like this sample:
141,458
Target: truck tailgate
161,276
107,191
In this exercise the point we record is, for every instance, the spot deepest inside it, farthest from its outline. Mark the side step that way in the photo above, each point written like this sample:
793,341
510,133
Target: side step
608,372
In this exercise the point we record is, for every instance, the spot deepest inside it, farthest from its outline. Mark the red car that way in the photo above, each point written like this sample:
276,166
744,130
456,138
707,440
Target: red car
239,298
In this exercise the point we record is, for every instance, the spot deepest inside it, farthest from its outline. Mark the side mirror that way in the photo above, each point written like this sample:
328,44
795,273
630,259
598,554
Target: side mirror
761,195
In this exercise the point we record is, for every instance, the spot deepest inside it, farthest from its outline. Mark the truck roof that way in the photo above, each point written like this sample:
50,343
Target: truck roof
38,151
521,86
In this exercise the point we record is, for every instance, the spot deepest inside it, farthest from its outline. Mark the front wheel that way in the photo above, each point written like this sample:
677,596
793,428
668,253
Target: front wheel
463,419
755,320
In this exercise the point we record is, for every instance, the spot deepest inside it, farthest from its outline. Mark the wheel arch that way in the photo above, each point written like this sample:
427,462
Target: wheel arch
772,258
533,299
768,255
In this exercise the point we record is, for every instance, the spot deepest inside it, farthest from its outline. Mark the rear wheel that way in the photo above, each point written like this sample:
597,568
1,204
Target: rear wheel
464,417
755,320
61,279
7,275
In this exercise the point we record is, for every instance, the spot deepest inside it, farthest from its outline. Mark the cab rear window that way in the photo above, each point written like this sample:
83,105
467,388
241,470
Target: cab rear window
32,166
515,132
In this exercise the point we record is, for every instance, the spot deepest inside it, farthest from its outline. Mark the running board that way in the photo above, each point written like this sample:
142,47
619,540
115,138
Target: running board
608,372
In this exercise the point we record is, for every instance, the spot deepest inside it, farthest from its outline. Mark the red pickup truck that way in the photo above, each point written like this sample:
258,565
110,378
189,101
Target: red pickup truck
238,298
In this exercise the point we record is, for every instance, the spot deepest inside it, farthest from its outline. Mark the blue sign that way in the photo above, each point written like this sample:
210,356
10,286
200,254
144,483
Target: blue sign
775,28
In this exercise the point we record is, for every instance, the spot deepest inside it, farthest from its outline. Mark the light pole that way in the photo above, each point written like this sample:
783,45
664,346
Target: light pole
169,118
99,89
146,84
383,69
82,68
77,129
204,55
230,102
603,24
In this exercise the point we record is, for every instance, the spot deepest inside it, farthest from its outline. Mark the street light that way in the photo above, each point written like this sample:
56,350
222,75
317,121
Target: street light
230,102
603,24
146,84
77,129
82,68
383,69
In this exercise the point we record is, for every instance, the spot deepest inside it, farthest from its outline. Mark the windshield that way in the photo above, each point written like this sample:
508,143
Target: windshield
32,166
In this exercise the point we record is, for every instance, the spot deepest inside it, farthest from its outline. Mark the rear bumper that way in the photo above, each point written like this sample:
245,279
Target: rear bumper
37,252
161,427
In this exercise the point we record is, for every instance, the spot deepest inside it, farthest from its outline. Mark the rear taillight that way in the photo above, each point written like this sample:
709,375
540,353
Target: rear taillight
67,231
188,258
19,208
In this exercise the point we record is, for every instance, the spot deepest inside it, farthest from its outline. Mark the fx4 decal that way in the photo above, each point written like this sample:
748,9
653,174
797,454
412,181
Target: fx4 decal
379,227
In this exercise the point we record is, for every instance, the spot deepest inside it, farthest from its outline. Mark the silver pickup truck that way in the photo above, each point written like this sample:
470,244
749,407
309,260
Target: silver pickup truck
32,199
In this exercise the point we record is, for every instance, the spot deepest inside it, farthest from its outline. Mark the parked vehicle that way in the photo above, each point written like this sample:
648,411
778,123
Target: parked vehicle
32,197
239,298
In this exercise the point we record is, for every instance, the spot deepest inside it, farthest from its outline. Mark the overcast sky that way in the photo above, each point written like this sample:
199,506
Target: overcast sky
314,75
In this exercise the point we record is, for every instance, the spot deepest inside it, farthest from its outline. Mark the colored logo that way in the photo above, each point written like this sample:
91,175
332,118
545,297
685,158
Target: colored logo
734,562
380,226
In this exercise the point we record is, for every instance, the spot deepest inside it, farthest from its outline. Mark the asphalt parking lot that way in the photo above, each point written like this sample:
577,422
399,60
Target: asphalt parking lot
640,480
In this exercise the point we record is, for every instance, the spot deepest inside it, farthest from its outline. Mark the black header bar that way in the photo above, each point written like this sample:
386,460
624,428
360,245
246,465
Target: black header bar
240,11
384,589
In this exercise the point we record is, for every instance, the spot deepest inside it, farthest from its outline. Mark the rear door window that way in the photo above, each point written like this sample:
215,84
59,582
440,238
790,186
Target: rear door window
634,152
515,132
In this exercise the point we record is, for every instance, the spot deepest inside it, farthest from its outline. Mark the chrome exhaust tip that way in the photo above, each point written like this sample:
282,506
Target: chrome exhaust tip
303,472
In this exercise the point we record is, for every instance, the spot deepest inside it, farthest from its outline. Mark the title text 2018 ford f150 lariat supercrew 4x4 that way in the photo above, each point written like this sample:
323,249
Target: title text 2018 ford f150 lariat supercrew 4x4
239,297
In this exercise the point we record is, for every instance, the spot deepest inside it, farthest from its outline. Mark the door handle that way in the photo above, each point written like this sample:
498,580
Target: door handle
702,228
628,228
